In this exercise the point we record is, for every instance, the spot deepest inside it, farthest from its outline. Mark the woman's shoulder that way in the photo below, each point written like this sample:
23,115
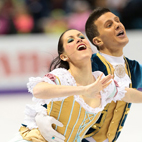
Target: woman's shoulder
64,76
59,71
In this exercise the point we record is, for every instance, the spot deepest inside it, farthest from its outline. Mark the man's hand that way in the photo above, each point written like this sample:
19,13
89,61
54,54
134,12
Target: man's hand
44,124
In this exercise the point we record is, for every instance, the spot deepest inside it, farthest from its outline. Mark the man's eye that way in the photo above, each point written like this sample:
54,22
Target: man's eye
118,20
82,37
70,40
109,25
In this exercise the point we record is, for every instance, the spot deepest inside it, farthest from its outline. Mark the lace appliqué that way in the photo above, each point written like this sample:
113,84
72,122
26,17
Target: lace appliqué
51,77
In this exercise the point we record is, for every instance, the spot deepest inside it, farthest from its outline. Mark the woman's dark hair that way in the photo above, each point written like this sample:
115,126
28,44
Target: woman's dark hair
57,62
90,27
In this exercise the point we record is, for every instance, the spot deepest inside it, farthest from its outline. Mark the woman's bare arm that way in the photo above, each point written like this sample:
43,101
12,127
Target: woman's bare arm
45,90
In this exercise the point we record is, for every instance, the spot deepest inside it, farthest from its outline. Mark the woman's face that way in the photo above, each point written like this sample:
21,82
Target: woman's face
76,46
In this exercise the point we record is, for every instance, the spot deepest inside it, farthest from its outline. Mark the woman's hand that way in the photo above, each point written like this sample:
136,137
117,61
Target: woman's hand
93,89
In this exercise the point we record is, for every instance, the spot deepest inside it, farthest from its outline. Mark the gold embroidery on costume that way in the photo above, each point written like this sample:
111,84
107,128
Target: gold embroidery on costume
119,71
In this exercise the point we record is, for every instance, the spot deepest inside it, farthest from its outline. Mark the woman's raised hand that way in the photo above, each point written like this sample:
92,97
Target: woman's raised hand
93,90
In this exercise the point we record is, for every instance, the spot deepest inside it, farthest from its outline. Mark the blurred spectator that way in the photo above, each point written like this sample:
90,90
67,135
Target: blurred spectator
100,3
38,9
42,10
49,16
59,4
4,23
22,20
131,14
56,23
77,19
6,13
129,11
96,3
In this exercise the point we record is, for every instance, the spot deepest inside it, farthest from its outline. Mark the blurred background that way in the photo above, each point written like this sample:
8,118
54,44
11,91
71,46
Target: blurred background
29,32
55,16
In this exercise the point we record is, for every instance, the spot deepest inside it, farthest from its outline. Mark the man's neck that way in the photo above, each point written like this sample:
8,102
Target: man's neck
112,53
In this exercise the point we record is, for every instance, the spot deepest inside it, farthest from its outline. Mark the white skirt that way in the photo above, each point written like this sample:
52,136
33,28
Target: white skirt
18,138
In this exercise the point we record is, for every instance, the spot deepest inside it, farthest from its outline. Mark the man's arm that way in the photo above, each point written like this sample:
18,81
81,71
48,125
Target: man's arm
132,96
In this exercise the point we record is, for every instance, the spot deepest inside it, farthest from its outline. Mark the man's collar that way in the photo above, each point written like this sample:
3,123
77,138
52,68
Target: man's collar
113,59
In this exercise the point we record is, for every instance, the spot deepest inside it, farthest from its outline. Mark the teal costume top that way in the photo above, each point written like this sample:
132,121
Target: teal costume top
134,71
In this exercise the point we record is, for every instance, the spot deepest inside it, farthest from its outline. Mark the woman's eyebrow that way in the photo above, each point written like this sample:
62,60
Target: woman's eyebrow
78,34
73,36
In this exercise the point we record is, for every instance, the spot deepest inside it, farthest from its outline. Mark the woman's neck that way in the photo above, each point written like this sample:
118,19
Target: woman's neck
82,74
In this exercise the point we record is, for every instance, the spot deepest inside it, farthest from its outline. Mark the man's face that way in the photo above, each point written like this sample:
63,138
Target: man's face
112,32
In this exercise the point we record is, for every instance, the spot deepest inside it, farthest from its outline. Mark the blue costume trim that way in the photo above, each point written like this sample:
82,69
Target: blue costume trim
59,113
69,118
83,124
